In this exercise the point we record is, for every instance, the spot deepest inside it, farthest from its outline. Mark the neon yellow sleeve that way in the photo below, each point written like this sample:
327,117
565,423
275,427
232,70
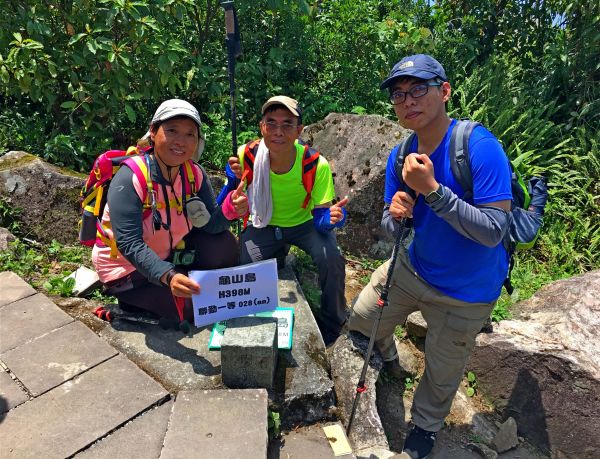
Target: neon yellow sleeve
323,190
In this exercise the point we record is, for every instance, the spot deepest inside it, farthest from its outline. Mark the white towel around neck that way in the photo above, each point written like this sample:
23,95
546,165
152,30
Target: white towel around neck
259,191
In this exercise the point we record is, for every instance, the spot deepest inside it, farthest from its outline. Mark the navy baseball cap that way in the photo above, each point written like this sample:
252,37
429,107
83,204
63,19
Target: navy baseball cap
419,66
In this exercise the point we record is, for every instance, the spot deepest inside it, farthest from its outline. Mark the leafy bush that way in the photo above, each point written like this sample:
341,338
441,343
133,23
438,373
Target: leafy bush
9,217
40,264
218,141
60,286
23,260
568,157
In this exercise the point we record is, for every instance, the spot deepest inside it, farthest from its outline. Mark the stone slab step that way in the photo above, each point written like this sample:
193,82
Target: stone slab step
28,318
142,438
228,424
75,414
11,393
177,361
305,442
13,288
51,359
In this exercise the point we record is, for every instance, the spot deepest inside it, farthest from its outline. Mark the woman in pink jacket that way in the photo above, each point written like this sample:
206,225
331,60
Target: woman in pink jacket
142,255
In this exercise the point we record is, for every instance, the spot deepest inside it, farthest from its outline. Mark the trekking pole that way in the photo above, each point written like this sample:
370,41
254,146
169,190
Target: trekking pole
382,303
234,50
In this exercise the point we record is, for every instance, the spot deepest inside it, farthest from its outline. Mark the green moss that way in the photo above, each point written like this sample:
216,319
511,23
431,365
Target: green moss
9,163
71,173
28,158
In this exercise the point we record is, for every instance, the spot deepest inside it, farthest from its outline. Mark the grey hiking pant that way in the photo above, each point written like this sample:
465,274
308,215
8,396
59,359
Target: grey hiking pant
452,326
259,244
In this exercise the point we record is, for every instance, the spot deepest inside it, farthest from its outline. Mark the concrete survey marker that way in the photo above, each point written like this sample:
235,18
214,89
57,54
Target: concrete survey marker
249,352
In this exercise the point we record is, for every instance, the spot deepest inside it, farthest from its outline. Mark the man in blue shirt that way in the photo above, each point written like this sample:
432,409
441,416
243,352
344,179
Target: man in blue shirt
456,264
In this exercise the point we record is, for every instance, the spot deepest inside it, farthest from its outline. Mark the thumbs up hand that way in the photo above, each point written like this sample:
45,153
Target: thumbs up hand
337,212
240,200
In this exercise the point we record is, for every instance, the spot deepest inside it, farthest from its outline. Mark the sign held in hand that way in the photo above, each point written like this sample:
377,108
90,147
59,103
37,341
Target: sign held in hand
235,292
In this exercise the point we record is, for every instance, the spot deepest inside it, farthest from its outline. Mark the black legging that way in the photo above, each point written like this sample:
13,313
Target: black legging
214,251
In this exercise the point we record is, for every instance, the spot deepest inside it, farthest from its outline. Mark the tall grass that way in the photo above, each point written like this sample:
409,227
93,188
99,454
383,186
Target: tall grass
568,157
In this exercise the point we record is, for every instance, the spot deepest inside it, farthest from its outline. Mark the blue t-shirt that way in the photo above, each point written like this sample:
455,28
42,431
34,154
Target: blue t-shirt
453,264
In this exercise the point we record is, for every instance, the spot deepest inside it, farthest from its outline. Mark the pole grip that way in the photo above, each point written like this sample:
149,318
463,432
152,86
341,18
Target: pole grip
229,22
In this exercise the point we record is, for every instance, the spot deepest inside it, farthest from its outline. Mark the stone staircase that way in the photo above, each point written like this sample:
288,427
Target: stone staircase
66,392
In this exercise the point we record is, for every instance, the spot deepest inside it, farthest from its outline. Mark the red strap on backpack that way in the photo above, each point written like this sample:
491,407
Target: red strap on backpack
309,172
179,305
249,157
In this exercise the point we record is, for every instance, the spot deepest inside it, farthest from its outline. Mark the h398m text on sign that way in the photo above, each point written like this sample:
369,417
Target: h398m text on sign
235,292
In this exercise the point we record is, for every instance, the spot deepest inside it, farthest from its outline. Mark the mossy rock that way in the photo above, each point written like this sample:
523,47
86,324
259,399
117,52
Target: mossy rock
47,197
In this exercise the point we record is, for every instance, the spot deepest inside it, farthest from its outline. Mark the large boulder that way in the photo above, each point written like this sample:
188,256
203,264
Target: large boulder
46,195
357,148
543,367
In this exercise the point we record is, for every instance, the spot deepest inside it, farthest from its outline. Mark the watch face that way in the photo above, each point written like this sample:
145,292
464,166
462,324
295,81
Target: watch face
434,196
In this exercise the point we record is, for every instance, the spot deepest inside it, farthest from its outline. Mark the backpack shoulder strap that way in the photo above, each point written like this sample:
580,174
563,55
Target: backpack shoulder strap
192,178
140,165
460,161
402,151
249,156
310,160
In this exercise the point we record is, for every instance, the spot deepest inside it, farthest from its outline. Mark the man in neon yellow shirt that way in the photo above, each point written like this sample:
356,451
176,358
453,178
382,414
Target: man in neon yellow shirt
285,210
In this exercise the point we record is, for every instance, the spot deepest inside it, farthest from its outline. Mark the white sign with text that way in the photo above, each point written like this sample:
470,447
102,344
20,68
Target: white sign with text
235,292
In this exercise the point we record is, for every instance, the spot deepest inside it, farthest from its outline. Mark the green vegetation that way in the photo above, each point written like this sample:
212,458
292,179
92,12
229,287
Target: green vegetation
60,285
307,276
24,261
274,424
471,384
80,77
400,332
9,217
410,385
45,266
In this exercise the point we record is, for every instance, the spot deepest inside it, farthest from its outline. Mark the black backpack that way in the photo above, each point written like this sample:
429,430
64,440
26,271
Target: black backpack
529,197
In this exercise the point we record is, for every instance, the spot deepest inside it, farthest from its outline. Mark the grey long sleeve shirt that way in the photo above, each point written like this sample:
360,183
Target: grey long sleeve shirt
126,220
483,224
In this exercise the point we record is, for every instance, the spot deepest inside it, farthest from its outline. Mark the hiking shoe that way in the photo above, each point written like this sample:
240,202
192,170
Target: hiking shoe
329,335
185,327
487,326
168,324
393,369
419,443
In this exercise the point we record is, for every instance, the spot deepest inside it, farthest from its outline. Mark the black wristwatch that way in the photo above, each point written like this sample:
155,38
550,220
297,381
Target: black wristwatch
170,275
435,195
